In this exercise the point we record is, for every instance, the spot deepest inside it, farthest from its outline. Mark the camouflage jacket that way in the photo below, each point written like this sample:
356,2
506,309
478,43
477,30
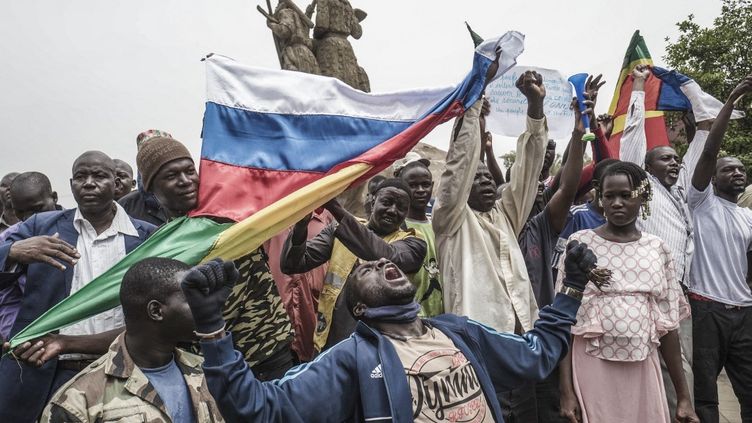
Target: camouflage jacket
114,389
254,312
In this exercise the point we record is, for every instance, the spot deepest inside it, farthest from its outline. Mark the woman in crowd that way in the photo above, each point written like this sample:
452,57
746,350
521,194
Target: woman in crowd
613,373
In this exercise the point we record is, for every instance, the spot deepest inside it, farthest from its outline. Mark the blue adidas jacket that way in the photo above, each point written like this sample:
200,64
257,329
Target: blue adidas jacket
362,378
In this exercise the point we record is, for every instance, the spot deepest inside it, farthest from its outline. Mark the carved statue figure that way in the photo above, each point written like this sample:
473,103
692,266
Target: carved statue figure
291,29
336,20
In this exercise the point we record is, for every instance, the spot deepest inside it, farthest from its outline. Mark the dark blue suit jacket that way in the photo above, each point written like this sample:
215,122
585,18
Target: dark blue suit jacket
24,390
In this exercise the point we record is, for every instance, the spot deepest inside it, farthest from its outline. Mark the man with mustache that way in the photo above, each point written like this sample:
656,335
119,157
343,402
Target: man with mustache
347,241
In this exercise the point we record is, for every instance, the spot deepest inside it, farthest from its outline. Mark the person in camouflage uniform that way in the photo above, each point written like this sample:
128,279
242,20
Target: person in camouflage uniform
119,386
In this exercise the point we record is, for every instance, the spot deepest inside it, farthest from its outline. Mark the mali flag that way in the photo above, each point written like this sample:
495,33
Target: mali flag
276,145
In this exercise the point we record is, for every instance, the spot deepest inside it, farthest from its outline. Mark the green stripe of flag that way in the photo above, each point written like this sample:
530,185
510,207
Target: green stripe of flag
637,50
185,239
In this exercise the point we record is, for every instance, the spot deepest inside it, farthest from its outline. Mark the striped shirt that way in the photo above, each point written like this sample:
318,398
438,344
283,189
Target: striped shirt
669,216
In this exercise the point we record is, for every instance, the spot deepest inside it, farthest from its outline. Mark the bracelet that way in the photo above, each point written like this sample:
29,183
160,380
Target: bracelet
572,292
211,336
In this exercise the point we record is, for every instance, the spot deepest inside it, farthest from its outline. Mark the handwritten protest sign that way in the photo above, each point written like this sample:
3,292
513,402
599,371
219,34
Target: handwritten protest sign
509,106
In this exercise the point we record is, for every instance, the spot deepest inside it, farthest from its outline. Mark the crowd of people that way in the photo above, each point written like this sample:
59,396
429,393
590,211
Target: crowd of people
614,291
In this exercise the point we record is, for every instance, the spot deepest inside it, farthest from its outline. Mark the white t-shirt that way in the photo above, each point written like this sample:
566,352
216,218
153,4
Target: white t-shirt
723,237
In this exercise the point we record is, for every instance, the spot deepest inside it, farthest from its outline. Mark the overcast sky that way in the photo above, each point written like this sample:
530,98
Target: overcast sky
80,75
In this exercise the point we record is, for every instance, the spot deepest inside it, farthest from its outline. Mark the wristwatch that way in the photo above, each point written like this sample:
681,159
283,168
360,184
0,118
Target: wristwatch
572,292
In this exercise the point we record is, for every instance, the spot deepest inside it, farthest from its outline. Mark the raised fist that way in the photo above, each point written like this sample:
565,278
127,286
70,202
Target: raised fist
578,263
206,288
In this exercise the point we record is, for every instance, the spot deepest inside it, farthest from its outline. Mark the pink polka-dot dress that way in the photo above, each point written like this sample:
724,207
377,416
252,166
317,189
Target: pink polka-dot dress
615,364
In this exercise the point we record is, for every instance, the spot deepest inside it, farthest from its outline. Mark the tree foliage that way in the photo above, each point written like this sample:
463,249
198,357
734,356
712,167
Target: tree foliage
718,58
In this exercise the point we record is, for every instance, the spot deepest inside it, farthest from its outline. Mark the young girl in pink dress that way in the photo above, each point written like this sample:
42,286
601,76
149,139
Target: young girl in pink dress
612,373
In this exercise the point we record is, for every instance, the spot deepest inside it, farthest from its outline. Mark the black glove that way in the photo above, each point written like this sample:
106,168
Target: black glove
206,288
578,263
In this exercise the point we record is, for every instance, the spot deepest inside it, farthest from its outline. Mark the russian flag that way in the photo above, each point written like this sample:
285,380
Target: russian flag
278,144
269,133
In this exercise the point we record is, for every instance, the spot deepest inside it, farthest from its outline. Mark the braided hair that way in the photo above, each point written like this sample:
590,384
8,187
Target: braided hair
638,181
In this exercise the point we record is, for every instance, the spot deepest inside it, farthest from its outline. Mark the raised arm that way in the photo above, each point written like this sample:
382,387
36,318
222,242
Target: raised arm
567,180
241,397
558,207
407,254
519,194
633,139
461,163
692,156
300,255
457,180
493,165
706,164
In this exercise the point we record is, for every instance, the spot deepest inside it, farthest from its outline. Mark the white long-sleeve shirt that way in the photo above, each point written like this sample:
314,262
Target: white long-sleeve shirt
483,268
669,218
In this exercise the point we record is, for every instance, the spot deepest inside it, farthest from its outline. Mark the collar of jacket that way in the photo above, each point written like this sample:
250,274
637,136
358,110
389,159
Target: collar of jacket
119,364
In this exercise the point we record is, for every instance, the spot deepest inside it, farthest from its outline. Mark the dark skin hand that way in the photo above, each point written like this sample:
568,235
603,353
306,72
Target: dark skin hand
606,123
300,230
43,249
531,86
670,350
640,74
592,86
36,353
558,206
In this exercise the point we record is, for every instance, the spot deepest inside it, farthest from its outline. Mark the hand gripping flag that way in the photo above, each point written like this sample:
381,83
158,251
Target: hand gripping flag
276,145
655,126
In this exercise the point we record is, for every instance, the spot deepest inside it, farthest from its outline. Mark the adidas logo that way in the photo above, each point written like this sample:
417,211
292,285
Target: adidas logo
376,373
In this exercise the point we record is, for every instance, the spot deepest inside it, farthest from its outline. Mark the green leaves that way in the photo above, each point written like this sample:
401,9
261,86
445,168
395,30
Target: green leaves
718,57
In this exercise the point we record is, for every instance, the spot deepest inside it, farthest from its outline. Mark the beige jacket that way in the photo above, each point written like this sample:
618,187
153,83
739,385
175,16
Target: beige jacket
484,272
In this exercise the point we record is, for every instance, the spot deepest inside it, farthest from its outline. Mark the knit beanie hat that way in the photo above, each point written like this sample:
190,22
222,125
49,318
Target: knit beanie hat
150,134
157,152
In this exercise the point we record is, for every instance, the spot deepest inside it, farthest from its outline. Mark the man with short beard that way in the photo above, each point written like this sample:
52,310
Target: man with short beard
720,297
60,252
343,244
395,367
